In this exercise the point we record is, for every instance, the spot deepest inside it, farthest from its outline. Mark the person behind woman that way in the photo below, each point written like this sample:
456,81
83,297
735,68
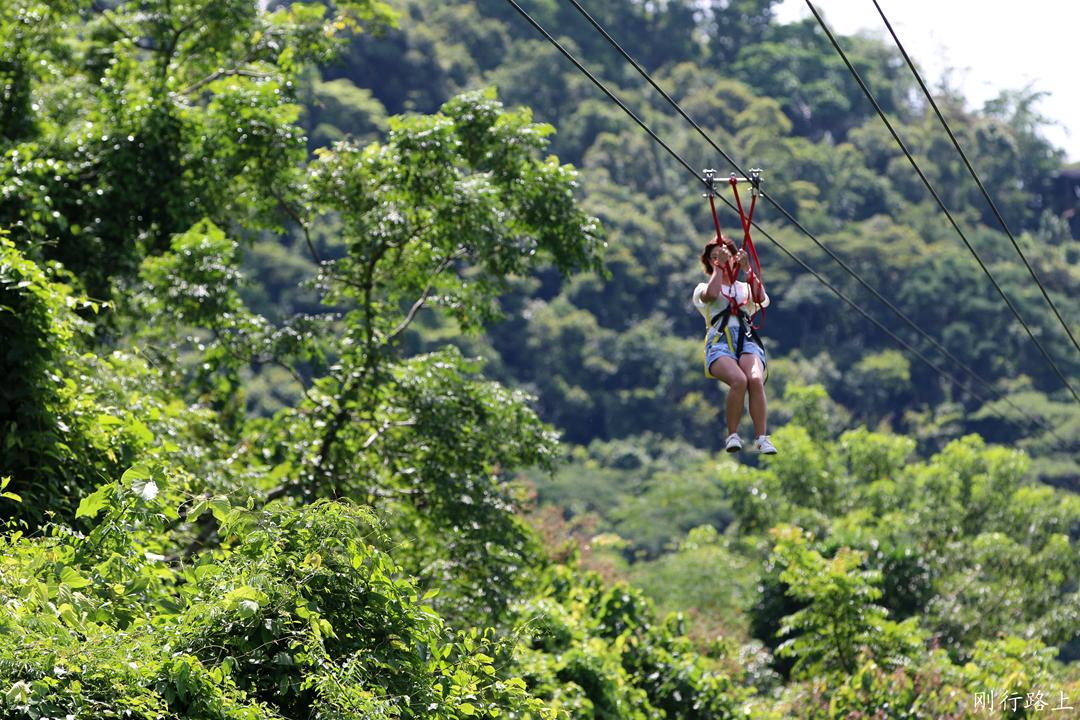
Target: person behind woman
734,354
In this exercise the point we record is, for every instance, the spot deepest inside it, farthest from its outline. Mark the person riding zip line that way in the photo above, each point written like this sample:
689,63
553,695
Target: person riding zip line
734,354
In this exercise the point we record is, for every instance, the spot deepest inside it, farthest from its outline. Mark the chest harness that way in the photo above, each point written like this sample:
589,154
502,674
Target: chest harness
718,326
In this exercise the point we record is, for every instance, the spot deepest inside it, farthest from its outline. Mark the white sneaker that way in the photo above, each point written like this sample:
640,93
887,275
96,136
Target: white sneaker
734,443
764,445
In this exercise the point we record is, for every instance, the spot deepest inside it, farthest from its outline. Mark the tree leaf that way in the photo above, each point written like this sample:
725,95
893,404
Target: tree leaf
135,473
70,576
91,505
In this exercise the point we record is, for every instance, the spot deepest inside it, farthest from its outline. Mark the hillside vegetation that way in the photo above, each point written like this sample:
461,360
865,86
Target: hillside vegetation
351,373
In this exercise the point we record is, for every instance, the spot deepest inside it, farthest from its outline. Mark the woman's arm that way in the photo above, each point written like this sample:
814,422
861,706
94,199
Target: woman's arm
716,279
757,289
712,288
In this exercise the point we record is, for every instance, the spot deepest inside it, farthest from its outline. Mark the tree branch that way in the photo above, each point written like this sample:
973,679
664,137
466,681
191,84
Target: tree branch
385,426
289,369
189,51
105,13
303,226
416,306
280,491
224,73
366,288
236,69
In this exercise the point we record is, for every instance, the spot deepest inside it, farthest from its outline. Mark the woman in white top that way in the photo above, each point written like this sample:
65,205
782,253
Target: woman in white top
733,352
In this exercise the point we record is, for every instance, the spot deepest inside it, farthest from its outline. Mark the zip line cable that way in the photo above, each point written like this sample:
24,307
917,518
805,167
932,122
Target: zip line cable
641,71
937,198
899,313
599,84
900,341
975,175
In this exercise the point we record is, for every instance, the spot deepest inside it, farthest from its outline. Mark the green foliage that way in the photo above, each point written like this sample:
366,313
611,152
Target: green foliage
874,457
340,104
878,379
355,548
840,616
152,116
795,65
919,562
305,613
777,95
600,652
199,324
22,32
83,617
443,215
452,498
1011,678
312,616
649,492
710,578
52,442
471,168
671,504
195,284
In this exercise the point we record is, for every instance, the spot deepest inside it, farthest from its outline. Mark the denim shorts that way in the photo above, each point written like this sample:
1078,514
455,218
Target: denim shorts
717,347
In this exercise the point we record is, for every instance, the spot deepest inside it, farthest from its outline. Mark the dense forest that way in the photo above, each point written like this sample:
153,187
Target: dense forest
351,372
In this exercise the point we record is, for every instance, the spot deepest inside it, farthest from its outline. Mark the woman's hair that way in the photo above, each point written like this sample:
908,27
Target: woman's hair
715,242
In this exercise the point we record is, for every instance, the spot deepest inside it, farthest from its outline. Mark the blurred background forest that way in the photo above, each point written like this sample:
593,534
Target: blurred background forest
353,373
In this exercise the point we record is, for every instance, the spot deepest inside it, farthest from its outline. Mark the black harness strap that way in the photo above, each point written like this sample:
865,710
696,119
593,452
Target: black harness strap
746,330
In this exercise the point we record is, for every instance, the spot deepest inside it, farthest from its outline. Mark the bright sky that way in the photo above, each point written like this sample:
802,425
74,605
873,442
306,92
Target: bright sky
985,45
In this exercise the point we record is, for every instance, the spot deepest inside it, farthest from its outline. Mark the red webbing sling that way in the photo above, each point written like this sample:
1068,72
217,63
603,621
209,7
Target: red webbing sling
731,280
746,218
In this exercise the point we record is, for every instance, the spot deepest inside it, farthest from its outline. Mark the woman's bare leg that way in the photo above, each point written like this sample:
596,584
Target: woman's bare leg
754,372
728,372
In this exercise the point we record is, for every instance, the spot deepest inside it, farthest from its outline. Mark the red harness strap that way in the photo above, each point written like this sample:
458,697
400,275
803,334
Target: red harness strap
716,224
747,219
732,301
715,217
